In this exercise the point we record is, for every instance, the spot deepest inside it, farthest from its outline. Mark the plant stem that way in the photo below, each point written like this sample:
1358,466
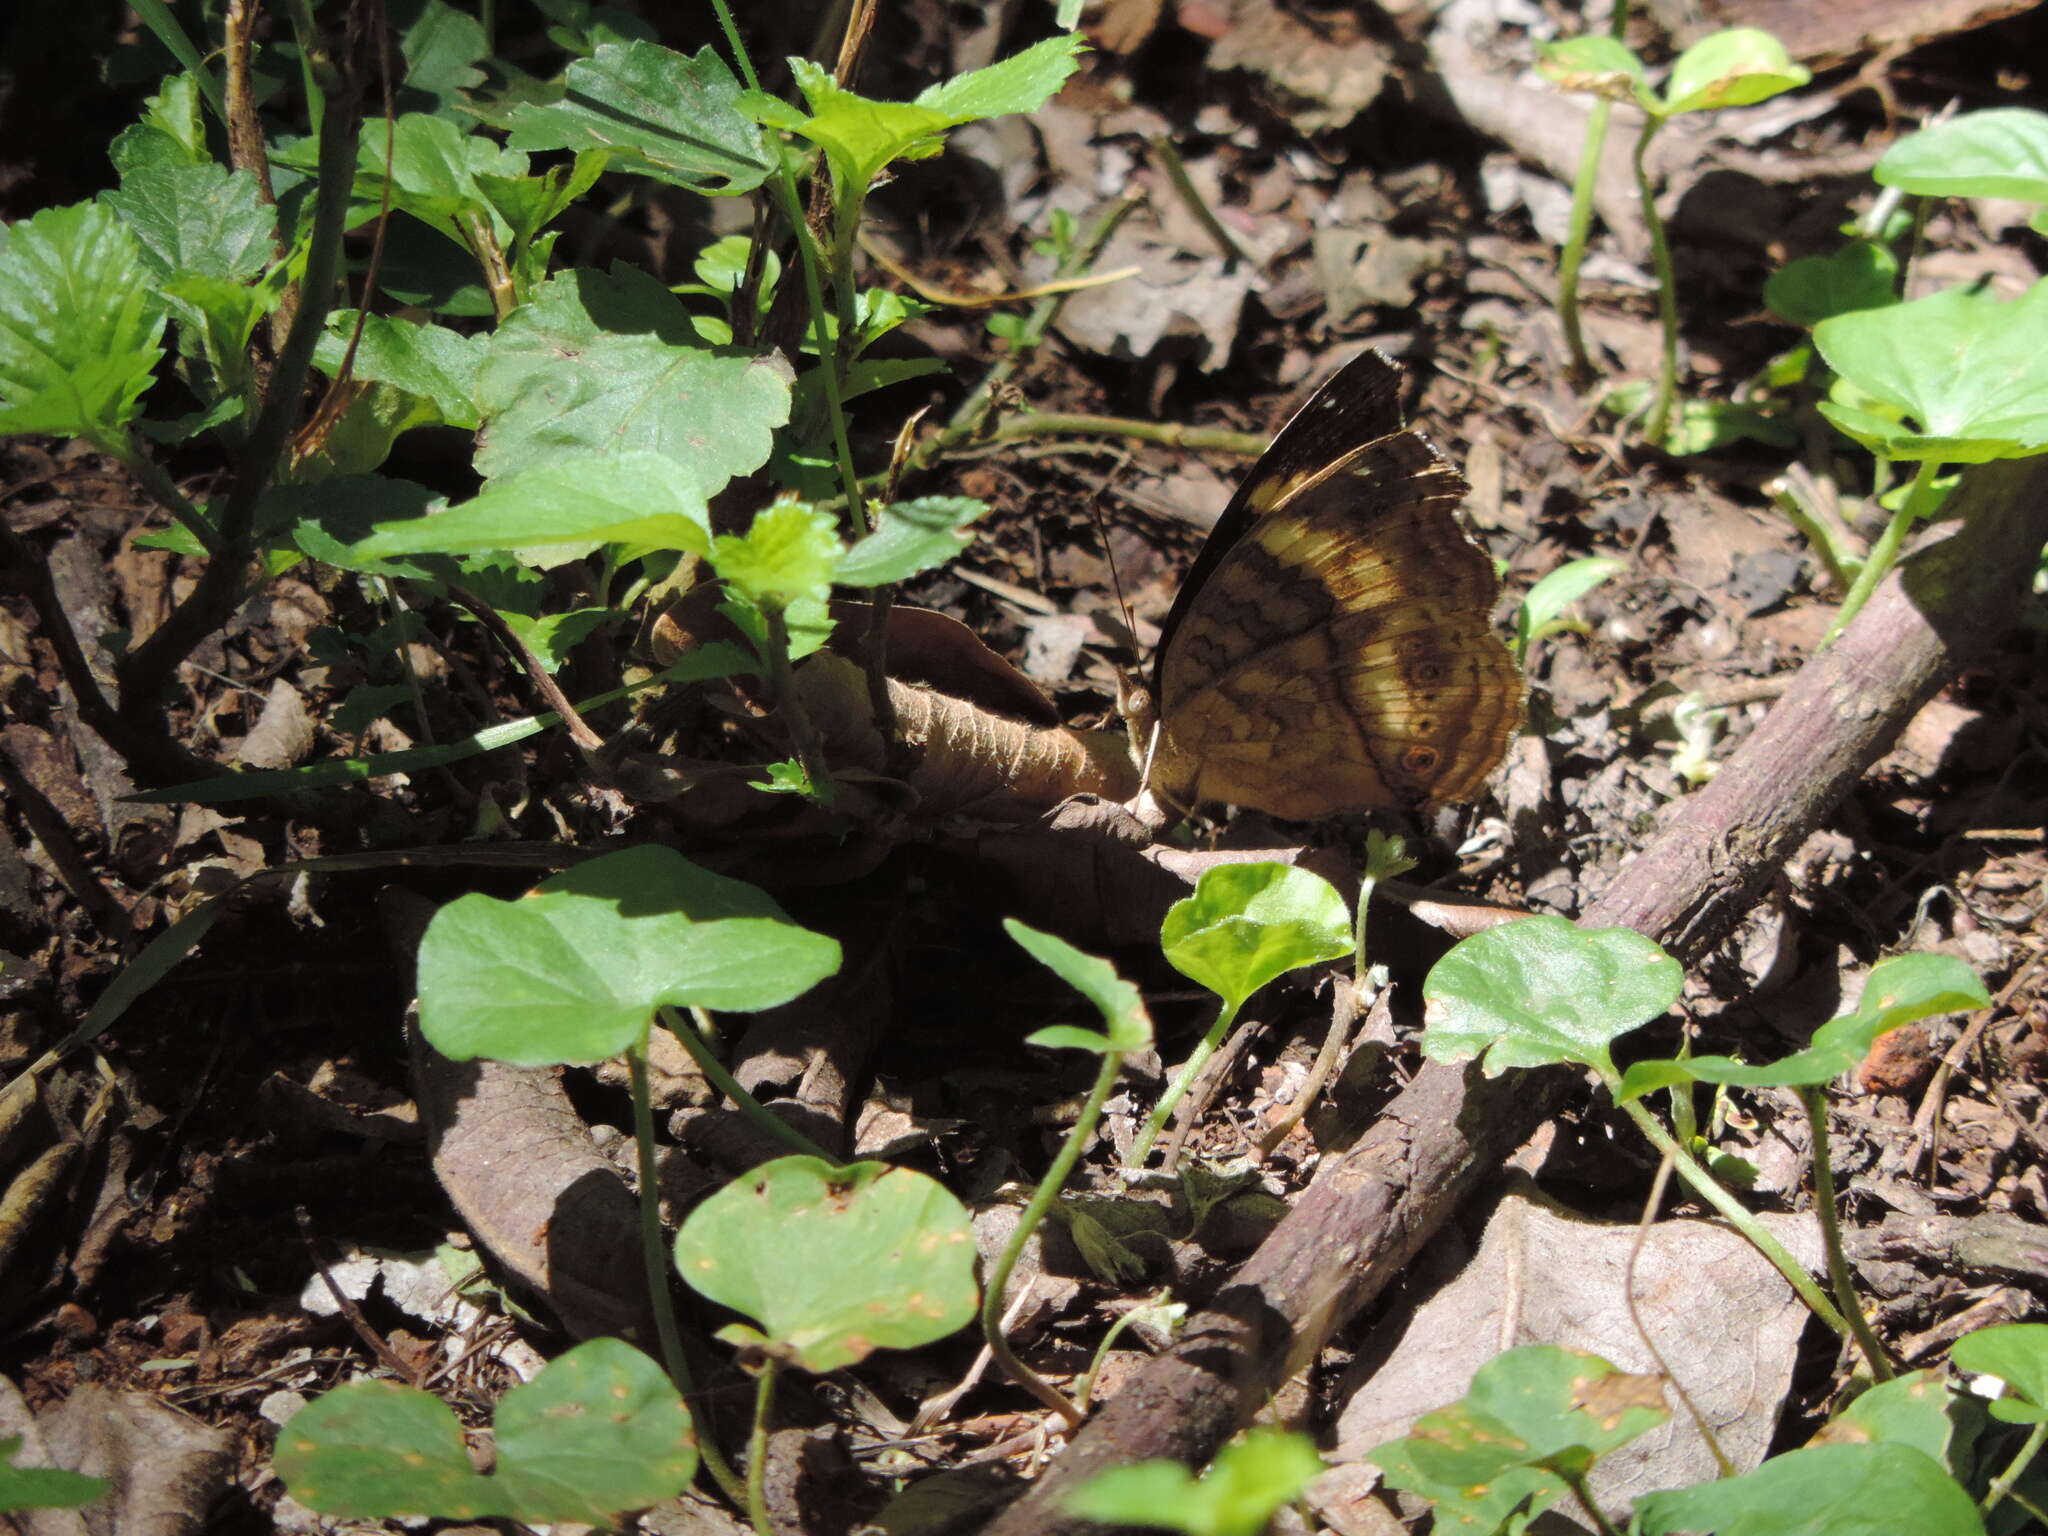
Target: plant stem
757,1452
1171,434
755,1112
1042,1199
1584,1495
1841,563
803,735
1709,1189
2002,1487
1667,293
1840,1281
1885,552
653,1256
1573,255
1182,1081
1177,174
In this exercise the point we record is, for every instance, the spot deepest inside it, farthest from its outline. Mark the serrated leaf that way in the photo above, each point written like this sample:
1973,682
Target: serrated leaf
1998,152
442,47
599,1431
915,536
430,361
557,512
1023,82
1541,990
80,320
611,363
788,555
834,1263
1249,923
574,970
1969,370
662,113
200,219
1899,991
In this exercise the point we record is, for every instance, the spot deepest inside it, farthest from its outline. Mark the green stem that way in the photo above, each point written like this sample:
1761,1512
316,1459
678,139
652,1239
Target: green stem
1841,563
1177,173
803,735
1183,1080
2001,1489
1042,1199
1732,1211
1084,1389
757,1452
1884,553
164,489
1601,1523
655,1258
755,1112
1171,434
1580,229
1840,1281
1667,293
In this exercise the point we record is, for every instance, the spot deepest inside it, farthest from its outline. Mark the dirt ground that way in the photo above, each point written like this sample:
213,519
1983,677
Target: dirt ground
187,1185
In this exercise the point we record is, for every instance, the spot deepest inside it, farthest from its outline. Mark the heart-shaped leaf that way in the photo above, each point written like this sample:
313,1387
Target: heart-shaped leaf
1248,923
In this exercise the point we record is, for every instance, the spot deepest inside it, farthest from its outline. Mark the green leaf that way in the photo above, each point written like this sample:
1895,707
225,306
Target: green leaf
1861,275
1998,152
554,513
2017,1354
441,47
786,556
1543,611
915,536
833,1263
574,970
1971,370
1899,991
1126,1024
599,1431
430,361
661,113
80,319
1023,82
171,132
1735,68
43,1487
608,364
1249,1482
1533,1419
434,165
1542,990
202,219
1248,923
1918,1409
1843,1490
1597,65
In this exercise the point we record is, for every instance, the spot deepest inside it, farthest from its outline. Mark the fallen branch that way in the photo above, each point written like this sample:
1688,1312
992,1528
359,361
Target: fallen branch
1369,1211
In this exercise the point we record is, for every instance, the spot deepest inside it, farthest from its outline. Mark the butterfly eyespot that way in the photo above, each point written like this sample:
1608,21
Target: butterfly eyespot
1419,760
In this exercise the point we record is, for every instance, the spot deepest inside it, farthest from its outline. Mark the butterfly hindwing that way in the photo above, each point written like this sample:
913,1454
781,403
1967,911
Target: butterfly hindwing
1333,651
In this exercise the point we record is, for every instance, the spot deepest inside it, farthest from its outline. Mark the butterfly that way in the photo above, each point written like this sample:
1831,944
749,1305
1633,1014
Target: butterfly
1332,648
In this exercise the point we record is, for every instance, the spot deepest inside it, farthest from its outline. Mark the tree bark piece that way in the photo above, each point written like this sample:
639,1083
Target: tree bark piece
1369,1211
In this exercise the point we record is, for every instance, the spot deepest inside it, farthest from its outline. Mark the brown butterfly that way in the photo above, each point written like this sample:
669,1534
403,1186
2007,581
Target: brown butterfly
1332,648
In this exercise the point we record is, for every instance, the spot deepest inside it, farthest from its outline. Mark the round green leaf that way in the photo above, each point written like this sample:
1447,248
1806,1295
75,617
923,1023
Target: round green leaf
1247,1484
1861,275
574,970
1736,68
1843,1490
1541,990
1969,369
1999,152
2017,1354
598,1431
834,1263
1248,923
1597,65
1917,1409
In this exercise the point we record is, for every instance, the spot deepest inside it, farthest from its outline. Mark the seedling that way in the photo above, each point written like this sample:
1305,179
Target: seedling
1735,68
1249,1482
1245,925
1127,1027
2017,1354
1547,608
1527,1431
833,1264
1542,991
600,1430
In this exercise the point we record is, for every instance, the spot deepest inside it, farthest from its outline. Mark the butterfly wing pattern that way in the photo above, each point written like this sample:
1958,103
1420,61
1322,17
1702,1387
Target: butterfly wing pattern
1332,648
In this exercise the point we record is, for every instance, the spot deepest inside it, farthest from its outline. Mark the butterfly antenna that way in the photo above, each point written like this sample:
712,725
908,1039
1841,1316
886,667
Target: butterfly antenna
1116,580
